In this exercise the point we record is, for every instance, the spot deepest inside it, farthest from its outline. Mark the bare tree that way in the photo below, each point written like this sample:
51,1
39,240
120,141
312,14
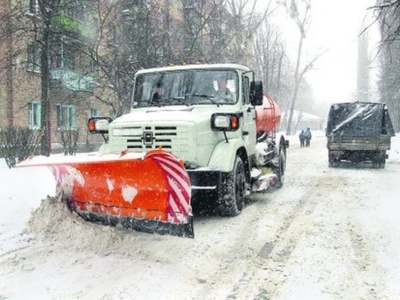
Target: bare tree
300,12
271,62
43,35
243,26
387,13
111,53
21,24
302,19
388,17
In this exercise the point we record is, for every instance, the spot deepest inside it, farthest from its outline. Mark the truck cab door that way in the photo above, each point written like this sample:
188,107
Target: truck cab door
249,116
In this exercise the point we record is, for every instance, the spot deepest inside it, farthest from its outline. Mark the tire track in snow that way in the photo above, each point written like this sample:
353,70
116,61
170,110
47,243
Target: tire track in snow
270,271
366,260
364,263
271,259
277,248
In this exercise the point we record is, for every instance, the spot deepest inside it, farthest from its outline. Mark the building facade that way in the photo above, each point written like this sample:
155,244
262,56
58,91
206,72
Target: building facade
70,75
62,62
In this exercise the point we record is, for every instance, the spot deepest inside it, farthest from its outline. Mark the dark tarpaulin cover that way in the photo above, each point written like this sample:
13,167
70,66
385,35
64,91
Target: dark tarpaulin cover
359,119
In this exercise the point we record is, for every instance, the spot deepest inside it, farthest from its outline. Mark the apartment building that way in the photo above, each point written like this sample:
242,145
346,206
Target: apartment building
72,76
92,49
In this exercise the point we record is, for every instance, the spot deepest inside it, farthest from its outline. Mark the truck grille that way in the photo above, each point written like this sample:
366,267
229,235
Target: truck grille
152,137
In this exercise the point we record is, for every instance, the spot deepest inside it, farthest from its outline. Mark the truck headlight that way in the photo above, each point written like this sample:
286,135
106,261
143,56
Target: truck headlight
99,124
227,122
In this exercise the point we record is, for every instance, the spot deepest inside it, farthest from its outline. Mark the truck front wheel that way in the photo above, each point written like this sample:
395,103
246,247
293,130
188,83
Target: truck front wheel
232,190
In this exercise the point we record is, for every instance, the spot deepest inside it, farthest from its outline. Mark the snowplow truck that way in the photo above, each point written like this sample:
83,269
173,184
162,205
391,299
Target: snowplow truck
194,132
359,132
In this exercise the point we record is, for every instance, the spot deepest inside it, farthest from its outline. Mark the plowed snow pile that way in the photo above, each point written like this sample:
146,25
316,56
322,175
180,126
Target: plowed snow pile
54,223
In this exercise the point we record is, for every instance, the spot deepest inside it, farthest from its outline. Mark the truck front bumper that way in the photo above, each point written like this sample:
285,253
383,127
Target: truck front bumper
204,183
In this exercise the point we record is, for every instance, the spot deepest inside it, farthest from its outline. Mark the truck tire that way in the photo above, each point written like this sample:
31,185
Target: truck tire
232,190
382,164
379,163
334,162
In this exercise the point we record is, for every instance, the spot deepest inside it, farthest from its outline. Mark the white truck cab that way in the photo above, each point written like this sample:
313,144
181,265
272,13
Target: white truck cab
203,114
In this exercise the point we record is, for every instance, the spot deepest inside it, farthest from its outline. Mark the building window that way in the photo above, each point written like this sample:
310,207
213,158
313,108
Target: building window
33,57
32,7
62,55
35,109
66,117
94,112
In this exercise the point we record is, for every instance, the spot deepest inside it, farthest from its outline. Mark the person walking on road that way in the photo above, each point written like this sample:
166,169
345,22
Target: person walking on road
301,138
307,137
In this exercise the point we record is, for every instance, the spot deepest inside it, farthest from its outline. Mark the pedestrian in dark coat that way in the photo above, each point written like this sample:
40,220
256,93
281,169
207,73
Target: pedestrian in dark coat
302,138
307,137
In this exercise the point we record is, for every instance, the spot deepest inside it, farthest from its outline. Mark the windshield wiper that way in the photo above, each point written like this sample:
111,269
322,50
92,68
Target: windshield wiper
205,96
159,104
180,100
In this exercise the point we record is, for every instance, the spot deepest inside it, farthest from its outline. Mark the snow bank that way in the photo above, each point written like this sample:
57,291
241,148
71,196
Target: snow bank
52,222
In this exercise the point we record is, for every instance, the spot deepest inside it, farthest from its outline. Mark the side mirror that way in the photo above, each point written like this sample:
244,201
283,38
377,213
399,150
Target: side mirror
256,93
99,125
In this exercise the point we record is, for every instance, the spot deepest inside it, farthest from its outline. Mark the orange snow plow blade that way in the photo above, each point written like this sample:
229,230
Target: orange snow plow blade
150,194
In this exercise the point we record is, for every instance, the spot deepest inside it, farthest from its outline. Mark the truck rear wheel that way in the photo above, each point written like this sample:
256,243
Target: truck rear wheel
334,162
381,164
232,190
378,159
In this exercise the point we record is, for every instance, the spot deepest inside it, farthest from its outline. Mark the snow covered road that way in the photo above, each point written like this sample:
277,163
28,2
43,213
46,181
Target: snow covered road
326,234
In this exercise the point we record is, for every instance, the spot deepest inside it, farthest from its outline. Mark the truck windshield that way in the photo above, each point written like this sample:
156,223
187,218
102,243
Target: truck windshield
186,87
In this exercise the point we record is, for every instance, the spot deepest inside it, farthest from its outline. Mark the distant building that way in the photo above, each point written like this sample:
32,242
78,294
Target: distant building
302,120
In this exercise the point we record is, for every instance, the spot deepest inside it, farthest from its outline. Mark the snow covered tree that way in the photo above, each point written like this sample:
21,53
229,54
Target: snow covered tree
388,15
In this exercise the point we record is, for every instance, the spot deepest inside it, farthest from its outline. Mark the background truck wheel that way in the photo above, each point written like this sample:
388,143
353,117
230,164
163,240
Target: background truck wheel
232,190
379,163
334,161
333,164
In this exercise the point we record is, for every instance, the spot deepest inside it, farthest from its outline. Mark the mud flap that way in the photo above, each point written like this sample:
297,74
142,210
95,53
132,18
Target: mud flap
263,180
151,193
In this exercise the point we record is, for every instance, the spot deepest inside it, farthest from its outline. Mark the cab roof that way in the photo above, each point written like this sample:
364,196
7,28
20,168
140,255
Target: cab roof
196,67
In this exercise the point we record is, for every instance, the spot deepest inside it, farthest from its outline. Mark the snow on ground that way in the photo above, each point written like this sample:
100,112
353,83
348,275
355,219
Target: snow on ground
327,234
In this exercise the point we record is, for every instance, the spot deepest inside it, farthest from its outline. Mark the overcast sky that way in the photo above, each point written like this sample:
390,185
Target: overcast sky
334,28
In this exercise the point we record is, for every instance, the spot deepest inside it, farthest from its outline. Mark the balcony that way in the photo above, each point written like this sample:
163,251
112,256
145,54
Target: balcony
68,25
71,80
